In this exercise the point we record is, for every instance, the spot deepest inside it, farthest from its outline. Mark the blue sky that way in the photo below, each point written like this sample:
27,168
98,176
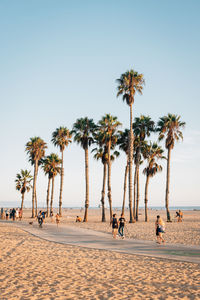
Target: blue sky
59,62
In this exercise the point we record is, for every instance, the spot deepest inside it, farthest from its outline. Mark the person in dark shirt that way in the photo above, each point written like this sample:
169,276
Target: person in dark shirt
13,214
114,224
121,225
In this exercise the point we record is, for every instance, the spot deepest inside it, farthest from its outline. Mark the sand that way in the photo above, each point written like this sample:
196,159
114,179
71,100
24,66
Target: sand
32,268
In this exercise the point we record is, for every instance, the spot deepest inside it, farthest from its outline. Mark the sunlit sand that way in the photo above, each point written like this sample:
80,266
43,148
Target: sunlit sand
32,268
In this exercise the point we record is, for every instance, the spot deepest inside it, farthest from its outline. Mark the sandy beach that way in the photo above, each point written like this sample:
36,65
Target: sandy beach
36,269
32,268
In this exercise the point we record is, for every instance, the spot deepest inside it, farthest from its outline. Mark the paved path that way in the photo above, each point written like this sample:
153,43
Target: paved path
87,238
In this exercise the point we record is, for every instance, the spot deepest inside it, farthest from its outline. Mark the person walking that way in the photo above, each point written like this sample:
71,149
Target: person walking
13,214
20,214
57,219
160,229
114,224
7,214
121,225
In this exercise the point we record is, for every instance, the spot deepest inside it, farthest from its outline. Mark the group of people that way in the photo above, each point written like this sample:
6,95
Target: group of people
12,213
118,226
42,215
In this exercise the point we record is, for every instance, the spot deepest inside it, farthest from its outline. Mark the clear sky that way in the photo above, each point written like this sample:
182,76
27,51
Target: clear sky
59,61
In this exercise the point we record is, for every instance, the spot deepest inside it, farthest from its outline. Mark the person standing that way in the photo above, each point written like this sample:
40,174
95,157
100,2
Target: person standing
57,219
114,224
7,214
17,213
20,214
13,214
180,218
121,225
160,229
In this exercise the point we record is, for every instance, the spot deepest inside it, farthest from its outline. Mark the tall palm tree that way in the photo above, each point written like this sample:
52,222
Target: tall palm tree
31,160
169,127
142,128
108,131
153,152
61,138
101,153
128,84
35,148
83,131
123,145
23,183
51,168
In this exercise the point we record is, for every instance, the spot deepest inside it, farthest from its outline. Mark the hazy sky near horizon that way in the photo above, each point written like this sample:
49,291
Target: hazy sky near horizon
59,61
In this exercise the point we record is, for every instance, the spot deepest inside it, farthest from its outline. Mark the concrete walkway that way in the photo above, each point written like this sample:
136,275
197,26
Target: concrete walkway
87,238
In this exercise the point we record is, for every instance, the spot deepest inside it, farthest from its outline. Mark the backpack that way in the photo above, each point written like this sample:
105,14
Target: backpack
115,223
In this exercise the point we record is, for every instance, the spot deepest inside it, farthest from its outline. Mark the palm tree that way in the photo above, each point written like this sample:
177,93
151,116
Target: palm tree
108,132
153,152
128,84
35,148
61,138
102,153
23,183
83,130
142,128
169,128
123,145
51,168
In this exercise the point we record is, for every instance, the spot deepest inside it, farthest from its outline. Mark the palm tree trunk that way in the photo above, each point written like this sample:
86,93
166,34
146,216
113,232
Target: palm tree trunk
138,194
52,192
131,140
36,208
36,212
103,193
125,182
86,186
167,186
134,190
109,180
61,186
34,188
48,189
146,198
22,203
137,180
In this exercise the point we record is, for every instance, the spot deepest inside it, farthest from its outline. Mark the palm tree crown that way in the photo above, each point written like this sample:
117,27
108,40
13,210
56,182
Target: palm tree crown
169,127
128,84
36,148
61,138
108,130
143,126
102,153
23,181
153,152
84,130
51,165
